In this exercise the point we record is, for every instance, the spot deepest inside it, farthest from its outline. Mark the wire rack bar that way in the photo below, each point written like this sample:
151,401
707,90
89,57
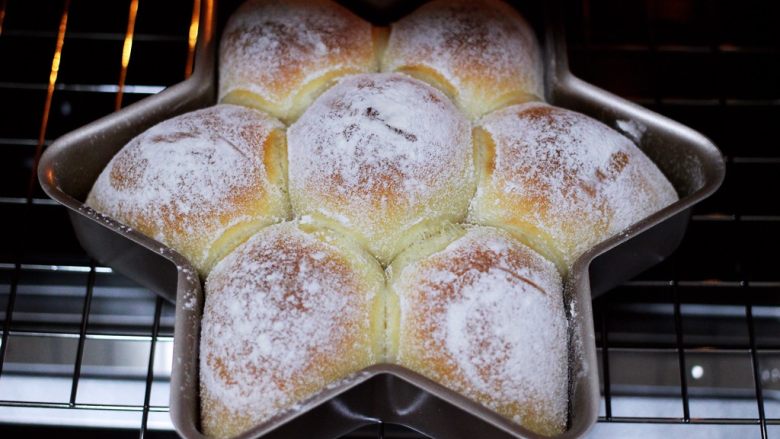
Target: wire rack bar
9,310
756,371
81,406
681,356
605,362
82,335
114,336
694,421
150,370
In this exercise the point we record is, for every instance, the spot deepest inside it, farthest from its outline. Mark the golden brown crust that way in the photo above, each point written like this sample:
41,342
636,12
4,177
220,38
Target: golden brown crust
484,316
279,55
381,157
380,35
560,181
480,53
199,182
286,314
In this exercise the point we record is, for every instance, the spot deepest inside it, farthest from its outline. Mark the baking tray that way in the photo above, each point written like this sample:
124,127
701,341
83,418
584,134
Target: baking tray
384,393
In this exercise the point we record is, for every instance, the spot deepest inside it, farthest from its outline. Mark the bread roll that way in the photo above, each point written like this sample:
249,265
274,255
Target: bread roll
278,55
481,53
384,157
482,314
200,183
287,313
561,181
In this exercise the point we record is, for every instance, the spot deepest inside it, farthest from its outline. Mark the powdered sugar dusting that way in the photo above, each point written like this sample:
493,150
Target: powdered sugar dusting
185,181
485,317
633,129
274,47
482,48
284,317
570,176
378,148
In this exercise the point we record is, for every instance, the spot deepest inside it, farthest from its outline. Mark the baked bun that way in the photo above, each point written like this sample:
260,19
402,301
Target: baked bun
561,181
384,157
201,183
482,314
481,53
278,55
289,312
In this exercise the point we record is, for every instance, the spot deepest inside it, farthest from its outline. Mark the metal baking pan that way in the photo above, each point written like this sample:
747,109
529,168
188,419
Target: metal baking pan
384,393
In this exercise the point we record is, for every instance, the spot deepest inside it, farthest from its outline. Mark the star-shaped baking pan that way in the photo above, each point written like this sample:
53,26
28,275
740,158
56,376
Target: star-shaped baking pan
384,392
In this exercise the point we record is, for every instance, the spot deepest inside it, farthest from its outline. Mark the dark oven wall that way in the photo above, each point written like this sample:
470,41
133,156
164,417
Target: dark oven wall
691,347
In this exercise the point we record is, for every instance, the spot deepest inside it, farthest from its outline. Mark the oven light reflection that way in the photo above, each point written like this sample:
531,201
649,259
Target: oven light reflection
697,372
127,49
193,37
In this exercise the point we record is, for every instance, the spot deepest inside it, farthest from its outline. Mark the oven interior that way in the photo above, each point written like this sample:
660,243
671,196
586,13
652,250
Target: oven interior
691,347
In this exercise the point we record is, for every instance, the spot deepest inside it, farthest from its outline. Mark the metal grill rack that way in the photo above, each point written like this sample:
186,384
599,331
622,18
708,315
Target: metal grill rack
691,347
80,346
699,335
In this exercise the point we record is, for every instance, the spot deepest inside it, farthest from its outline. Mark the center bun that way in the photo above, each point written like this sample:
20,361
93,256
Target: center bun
384,157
